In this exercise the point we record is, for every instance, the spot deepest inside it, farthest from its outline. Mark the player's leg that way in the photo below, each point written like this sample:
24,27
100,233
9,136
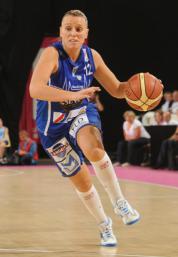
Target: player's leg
68,159
90,198
89,140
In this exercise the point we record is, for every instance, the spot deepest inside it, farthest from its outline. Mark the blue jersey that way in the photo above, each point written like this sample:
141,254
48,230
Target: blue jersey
70,76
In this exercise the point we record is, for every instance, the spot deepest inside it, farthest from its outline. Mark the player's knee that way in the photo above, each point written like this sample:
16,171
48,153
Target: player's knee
84,186
95,154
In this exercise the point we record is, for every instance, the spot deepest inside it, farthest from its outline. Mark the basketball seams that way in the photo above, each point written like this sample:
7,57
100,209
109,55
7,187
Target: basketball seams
146,92
145,81
139,88
138,99
149,97
143,89
153,88
133,92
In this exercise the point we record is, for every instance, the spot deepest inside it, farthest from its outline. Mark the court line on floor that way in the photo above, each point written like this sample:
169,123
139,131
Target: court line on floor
20,172
17,173
149,183
143,182
6,250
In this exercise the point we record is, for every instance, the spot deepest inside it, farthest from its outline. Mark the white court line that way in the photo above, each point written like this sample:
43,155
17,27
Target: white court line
132,255
6,250
155,197
17,172
2,250
149,183
120,179
143,182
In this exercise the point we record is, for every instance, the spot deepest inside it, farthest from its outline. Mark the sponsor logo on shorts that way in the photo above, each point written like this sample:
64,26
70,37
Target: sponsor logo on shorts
59,150
70,164
66,158
79,122
58,117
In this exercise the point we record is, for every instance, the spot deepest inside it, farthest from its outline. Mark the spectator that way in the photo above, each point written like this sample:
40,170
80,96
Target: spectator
168,120
135,137
158,118
167,101
168,154
148,118
4,142
174,106
27,150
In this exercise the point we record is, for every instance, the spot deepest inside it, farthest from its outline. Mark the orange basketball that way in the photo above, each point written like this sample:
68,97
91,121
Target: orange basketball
144,92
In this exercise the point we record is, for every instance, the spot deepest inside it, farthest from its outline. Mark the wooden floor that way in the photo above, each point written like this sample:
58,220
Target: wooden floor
41,215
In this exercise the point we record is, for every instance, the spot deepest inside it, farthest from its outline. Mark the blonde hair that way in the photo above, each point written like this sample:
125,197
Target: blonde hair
128,113
76,13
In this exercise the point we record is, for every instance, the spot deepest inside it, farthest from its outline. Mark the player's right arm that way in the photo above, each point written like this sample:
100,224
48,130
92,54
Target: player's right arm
107,78
39,89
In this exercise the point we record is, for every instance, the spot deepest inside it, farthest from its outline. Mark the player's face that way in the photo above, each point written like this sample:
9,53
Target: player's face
73,31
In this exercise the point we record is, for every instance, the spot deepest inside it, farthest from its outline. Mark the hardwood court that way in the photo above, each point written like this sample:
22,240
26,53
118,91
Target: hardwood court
41,215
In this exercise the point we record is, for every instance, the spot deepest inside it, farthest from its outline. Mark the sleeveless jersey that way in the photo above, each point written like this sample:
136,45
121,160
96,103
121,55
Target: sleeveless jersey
70,76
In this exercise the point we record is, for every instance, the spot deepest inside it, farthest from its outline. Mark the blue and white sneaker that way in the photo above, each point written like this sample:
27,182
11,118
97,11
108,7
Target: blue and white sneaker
108,239
126,212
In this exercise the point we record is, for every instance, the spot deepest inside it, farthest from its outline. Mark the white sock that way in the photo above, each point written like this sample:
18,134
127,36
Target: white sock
107,177
93,203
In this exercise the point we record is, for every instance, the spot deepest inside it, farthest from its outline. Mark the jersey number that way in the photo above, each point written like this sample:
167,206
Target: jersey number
88,70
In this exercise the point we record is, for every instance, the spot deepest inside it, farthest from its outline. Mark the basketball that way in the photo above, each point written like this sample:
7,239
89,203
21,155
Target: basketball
144,92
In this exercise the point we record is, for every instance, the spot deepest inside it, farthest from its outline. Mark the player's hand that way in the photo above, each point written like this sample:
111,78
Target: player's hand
159,80
161,83
86,93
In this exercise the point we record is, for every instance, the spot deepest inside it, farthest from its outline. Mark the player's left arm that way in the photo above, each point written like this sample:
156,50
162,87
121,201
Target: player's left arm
107,78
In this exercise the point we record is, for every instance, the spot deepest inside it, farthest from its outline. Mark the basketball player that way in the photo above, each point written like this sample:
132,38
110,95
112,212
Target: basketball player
69,124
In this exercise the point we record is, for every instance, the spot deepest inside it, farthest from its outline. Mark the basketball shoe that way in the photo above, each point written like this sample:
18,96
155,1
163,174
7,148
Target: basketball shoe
126,212
108,239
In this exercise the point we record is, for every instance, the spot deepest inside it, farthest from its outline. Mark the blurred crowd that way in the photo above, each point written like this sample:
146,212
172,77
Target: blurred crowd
135,148
167,114
26,154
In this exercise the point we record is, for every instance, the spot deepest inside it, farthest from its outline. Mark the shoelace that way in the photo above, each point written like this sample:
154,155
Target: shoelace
106,234
123,207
